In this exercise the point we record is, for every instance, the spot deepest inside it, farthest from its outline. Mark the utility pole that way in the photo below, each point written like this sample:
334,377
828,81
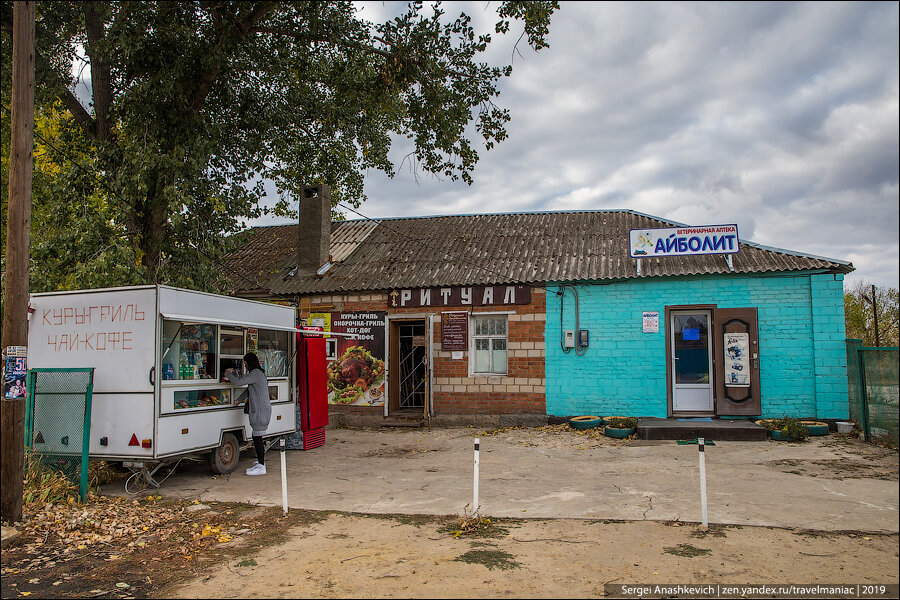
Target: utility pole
874,303
18,233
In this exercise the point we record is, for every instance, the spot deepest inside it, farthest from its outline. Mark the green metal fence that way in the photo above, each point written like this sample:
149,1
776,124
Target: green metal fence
872,376
58,420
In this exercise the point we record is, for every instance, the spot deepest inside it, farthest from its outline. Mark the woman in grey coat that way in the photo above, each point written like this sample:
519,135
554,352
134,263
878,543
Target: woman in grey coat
260,407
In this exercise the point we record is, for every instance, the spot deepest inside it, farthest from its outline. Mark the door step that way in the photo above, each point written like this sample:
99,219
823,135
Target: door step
717,429
411,423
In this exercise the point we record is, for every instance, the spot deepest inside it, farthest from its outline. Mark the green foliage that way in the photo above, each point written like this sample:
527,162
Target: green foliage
622,422
790,427
860,316
194,104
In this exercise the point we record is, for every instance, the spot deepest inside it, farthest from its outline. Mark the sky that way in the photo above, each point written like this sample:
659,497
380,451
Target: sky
779,117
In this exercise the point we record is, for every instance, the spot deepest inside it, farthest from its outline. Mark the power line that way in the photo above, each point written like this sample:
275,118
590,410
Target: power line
447,253
93,172
380,222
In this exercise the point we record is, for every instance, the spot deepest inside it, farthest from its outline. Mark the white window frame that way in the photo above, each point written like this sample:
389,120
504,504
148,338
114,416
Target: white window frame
472,337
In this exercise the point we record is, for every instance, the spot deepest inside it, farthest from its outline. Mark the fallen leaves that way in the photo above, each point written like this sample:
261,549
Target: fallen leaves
119,524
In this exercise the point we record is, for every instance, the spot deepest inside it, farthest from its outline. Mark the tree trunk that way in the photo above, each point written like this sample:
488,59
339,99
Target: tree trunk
149,220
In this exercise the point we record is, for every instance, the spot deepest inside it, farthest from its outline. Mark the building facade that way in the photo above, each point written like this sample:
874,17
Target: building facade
529,315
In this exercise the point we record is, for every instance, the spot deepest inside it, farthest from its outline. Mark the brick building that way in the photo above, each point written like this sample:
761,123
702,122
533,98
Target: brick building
508,318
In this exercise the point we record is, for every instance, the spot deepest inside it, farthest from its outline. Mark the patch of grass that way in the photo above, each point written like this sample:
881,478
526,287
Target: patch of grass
478,527
712,530
687,550
416,521
247,563
815,534
492,559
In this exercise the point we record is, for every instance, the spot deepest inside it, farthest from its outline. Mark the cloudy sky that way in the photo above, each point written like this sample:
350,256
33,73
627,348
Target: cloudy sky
779,117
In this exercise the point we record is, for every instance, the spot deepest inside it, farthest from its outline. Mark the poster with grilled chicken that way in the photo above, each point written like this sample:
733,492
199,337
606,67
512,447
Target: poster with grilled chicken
356,375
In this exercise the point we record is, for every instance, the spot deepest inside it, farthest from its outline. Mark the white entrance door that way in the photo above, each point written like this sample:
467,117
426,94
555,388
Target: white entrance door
692,362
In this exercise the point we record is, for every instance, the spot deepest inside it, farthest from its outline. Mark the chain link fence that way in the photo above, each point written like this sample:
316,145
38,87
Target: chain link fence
58,420
872,376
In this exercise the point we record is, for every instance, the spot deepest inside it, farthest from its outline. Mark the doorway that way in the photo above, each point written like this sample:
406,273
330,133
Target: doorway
408,374
690,351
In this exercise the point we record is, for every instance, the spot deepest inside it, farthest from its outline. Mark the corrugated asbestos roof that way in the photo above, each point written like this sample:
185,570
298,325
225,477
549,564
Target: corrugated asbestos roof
542,247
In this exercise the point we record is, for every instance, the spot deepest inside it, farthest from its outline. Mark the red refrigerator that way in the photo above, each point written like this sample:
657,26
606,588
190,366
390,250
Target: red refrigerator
312,380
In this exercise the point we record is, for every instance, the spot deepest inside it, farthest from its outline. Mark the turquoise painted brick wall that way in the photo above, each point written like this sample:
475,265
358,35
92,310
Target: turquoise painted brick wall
803,371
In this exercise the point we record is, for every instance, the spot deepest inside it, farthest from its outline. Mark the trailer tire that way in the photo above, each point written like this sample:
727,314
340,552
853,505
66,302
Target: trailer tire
224,459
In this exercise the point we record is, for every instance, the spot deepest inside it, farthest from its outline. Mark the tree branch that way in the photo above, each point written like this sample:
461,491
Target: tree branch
242,27
100,74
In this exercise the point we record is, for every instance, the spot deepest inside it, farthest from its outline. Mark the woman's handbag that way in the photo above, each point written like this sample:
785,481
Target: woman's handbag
247,407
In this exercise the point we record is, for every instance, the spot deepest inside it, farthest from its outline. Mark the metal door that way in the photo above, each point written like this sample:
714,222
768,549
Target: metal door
409,359
737,379
691,352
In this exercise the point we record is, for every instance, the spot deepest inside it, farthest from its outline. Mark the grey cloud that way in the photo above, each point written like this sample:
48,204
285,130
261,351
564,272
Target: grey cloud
780,117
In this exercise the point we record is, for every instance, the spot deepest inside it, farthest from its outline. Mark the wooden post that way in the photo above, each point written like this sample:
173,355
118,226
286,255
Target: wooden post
15,297
875,317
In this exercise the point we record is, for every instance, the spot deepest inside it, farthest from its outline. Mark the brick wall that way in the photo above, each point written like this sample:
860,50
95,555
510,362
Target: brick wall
455,391
801,332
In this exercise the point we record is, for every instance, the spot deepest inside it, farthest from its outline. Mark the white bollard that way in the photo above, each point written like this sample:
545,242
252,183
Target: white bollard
283,479
701,447
475,485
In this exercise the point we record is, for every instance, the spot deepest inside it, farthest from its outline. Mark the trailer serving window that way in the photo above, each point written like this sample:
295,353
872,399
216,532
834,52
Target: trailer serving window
188,351
193,357
189,362
273,349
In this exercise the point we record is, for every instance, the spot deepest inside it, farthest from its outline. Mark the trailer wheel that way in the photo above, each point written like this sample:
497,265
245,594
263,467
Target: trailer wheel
224,459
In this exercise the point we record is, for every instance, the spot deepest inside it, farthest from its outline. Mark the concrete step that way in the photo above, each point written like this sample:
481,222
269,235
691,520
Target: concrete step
717,429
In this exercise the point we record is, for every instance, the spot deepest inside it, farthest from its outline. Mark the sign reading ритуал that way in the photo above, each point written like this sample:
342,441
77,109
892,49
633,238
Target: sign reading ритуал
683,241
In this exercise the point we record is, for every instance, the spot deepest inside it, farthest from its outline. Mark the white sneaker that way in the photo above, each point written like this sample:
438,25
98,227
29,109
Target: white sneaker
256,469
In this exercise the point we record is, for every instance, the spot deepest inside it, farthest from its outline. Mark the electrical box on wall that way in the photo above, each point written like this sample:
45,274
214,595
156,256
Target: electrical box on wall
569,339
583,338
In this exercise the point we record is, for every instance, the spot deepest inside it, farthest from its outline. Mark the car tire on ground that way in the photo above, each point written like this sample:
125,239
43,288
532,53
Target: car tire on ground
815,427
224,459
585,422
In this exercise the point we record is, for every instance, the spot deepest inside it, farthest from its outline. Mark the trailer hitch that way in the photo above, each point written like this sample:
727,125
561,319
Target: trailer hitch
141,477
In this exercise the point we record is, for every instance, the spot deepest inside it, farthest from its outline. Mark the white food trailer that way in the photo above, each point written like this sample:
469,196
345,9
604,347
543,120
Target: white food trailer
158,355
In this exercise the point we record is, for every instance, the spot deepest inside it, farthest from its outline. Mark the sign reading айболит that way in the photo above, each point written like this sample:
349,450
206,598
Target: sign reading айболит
683,241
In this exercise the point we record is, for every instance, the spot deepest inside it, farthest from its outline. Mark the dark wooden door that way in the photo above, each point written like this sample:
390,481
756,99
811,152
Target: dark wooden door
737,362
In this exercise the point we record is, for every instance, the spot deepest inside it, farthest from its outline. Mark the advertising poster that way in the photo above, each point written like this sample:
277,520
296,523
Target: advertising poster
15,371
357,375
737,369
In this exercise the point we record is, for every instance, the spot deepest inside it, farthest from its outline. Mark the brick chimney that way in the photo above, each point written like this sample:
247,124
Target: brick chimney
314,243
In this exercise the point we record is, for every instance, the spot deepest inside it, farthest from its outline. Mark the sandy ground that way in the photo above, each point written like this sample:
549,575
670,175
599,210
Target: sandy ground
371,556
361,557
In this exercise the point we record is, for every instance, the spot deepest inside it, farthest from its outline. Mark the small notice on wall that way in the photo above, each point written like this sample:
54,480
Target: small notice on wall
454,331
737,368
651,321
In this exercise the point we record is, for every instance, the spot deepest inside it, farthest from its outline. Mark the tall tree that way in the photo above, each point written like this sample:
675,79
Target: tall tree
860,316
193,105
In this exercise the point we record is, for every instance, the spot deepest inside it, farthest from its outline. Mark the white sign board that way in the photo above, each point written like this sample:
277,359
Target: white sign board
650,321
112,331
737,365
683,241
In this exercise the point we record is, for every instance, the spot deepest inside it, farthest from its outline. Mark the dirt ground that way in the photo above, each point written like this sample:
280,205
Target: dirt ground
350,556
181,548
